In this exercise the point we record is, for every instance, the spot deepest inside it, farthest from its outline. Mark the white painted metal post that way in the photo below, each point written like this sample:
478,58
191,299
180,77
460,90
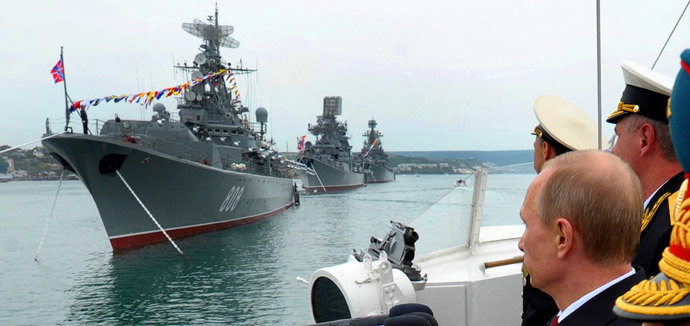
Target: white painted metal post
477,208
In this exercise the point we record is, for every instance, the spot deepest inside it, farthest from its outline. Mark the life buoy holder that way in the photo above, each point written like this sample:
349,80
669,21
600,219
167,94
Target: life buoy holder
130,140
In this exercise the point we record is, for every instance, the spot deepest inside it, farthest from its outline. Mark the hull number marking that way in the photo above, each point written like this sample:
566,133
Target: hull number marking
232,199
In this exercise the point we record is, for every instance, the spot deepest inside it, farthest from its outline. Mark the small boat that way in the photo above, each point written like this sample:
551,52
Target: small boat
327,164
461,182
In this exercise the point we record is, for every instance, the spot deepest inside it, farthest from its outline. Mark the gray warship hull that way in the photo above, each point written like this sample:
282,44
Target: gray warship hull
379,173
184,196
327,178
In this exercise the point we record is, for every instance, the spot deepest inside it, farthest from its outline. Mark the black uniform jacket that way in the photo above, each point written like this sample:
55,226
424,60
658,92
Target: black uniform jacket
656,235
537,307
599,309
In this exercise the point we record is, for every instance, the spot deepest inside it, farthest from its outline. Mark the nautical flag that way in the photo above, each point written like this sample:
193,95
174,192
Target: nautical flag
370,148
75,106
58,72
300,142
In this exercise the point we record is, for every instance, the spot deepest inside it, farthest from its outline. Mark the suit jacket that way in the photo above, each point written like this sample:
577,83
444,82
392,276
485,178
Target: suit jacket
599,309
655,236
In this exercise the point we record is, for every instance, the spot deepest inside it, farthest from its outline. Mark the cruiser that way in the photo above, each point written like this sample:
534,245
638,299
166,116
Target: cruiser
329,162
373,161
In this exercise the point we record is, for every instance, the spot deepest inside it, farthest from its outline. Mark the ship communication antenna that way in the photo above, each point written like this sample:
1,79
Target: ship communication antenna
213,34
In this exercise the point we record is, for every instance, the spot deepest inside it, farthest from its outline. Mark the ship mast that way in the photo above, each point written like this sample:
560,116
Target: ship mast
64,84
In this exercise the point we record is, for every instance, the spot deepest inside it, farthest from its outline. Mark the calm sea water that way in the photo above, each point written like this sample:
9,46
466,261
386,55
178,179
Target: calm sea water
240,276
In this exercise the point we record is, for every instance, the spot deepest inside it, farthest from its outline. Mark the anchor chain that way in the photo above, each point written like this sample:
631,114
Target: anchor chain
149,213
45,229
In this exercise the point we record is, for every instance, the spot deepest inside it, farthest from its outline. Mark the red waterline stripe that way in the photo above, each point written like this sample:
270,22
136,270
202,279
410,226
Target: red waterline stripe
379,181
140,240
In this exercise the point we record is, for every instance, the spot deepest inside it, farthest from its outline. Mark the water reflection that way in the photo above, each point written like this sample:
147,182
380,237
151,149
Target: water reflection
226,279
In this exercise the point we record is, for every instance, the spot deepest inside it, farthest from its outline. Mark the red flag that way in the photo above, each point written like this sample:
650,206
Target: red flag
58,72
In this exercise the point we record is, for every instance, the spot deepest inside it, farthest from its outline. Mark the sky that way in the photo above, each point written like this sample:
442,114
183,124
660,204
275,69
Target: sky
436,75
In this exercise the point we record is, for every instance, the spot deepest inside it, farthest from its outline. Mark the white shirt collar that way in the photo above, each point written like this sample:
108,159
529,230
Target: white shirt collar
582,300
646,201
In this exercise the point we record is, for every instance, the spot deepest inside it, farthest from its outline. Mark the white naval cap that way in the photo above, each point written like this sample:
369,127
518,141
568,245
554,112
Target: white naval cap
646,93
565,123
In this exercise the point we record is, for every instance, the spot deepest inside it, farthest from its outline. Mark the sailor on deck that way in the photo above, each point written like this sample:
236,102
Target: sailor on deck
84,120
563,127
644,142
665,299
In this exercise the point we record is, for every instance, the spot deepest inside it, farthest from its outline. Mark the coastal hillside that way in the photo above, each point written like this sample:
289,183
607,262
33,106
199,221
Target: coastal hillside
33,164
515,161
497,158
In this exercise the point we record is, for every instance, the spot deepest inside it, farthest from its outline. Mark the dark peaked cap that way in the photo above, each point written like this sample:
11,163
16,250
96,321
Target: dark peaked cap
646,93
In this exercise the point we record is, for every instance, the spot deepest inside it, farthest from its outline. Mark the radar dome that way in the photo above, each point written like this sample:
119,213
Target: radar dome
158,107
261,115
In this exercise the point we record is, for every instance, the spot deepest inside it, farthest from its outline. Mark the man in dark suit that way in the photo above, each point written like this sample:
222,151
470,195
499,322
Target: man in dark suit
563,127
571,210
643,140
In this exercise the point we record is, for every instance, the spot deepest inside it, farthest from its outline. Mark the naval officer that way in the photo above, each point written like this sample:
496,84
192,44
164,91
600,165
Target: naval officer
643,140
562,127
665,299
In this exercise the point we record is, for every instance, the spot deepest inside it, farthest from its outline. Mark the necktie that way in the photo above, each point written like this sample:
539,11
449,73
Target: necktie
554,321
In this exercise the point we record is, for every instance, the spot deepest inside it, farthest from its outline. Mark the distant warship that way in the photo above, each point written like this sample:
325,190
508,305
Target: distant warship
328,162
373,161
207,171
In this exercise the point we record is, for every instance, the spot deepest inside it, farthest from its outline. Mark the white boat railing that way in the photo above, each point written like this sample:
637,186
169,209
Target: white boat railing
477,209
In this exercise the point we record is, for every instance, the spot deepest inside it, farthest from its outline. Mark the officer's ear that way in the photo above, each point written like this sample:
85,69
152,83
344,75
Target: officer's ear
547,151
563,237
647,137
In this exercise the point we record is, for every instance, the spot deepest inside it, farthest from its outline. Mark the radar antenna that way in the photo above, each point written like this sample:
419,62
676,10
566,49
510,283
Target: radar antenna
216,35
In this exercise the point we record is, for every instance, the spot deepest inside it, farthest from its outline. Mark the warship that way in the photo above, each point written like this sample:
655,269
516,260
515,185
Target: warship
166,178
373,161
328,163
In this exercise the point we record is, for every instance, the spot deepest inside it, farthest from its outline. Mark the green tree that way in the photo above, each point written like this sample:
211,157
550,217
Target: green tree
3,165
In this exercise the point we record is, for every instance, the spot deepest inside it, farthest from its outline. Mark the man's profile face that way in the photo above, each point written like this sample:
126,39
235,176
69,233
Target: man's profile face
624,145
538,241
538,154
